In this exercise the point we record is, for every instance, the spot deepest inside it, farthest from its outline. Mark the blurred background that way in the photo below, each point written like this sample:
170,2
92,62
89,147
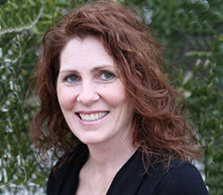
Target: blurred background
191,31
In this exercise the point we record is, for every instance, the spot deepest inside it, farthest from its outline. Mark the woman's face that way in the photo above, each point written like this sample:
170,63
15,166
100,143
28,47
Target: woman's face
91,95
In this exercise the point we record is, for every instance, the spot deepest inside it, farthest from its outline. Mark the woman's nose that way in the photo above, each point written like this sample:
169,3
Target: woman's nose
88,94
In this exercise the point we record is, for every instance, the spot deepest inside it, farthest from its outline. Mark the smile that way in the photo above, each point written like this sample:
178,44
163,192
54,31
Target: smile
93,116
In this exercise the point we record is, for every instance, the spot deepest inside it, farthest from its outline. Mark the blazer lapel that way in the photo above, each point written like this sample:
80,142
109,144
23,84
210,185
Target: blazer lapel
129,178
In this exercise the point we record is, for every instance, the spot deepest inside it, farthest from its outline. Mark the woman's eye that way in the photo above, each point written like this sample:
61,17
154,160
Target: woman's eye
106,76
72,79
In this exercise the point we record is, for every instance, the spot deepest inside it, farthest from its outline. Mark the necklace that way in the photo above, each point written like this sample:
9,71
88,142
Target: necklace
89,182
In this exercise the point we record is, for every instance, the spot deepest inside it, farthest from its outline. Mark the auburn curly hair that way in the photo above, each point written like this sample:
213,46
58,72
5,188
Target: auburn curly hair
160,124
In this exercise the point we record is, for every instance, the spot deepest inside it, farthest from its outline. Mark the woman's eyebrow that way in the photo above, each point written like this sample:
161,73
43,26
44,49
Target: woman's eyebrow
102,67
68,70
95,69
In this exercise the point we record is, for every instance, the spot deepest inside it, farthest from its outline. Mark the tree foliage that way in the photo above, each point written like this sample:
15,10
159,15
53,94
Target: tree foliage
190,30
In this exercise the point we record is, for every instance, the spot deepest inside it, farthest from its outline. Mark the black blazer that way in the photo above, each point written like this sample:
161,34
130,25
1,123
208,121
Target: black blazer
181,178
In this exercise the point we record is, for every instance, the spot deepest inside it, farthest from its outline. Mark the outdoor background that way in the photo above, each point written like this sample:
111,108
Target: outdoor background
191,31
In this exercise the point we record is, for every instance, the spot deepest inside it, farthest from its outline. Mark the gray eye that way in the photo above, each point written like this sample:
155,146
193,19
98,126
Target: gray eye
107,76
72,78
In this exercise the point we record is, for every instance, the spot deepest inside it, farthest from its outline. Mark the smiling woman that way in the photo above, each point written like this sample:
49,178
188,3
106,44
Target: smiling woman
110,110
91,96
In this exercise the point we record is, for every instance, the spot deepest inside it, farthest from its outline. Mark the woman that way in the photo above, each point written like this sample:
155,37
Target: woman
109,109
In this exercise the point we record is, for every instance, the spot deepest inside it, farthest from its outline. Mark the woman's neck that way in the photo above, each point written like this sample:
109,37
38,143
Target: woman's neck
105,160
110,156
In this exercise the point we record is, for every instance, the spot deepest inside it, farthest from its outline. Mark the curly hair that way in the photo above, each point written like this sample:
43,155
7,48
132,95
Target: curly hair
159,121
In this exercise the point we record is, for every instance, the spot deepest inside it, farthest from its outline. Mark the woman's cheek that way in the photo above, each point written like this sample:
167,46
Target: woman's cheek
117,93
66,97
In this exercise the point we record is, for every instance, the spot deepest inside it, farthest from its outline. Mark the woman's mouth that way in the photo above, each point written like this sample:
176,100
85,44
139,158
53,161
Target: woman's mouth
92,116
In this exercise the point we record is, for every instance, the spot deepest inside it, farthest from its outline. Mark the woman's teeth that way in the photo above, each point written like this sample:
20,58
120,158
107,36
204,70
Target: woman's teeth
92,117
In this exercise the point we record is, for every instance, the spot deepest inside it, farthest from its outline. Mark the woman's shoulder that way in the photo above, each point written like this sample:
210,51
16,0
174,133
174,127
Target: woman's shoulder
62,171
181,178
79,155
138,177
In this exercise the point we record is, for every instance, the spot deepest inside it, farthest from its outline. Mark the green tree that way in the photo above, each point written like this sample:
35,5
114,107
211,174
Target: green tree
191,32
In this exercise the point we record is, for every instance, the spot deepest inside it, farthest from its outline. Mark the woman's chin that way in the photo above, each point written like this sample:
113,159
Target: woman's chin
92,140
